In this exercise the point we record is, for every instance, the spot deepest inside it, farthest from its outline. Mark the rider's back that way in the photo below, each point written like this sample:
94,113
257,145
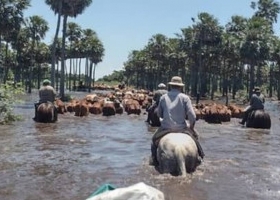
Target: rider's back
46,93
257,101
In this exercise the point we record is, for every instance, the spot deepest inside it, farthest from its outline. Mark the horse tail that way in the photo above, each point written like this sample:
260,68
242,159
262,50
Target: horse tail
181,161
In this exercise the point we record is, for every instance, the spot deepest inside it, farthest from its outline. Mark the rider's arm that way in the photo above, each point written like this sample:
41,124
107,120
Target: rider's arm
54,94
159,108
252,99
190,113
263,99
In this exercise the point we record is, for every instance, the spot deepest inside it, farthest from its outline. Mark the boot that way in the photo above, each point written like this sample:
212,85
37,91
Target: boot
35,118
153,160
55,114
242,122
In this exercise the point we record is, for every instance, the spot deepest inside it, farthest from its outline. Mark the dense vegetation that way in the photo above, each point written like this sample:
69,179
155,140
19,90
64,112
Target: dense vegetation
210,57
238,56
8,97
28,58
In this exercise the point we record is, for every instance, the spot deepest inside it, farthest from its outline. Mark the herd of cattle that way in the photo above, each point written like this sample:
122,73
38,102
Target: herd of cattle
135,102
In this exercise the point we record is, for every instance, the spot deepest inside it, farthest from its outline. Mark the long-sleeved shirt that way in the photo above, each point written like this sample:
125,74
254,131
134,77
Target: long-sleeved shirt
173,108
158,94
257,101
47,93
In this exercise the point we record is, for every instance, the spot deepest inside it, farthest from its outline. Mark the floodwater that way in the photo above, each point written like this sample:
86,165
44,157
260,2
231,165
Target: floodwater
73,157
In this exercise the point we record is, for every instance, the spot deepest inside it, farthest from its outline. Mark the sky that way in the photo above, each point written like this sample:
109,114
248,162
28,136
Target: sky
127,25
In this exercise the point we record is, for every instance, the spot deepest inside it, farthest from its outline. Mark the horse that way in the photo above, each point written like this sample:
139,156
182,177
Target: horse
46,112
258,119
177,154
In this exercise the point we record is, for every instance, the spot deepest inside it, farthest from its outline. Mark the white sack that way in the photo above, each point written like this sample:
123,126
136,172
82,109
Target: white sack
139,191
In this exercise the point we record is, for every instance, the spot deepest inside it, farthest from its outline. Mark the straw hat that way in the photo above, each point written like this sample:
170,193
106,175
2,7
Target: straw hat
256,89
177,81
161,85
46,82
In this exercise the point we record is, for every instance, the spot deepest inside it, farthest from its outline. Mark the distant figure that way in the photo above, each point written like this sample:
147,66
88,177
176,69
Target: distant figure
81,86
121,86
256,103
158,93
46,94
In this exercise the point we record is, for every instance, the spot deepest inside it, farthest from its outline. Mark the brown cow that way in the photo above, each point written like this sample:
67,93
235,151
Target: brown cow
81,109
108,108
60,106
96,108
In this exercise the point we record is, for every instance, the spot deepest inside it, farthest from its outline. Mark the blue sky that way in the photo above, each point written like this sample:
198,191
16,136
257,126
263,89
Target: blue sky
126,25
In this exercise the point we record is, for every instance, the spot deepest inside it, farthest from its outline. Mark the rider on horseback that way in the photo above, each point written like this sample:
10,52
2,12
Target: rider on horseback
173,108
161,91
256,103
46,94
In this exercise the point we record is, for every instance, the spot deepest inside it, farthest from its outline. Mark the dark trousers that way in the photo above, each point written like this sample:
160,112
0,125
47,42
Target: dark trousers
246,114
150,110
36,105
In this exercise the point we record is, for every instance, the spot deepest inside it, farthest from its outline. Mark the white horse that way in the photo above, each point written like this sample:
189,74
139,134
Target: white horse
177,154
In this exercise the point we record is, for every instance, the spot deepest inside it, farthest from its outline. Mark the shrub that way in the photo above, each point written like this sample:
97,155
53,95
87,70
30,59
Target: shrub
8,92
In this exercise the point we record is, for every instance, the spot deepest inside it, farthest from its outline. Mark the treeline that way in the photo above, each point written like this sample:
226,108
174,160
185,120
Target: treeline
209,57
24,57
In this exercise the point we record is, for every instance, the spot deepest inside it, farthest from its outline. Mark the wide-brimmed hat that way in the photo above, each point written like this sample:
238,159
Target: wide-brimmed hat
161,85
256,89
176,80
46,82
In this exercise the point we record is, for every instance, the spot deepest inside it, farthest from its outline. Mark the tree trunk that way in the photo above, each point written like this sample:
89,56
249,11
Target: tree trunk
90,76
278,88
62,75
270,80
252,79
54,44
93,77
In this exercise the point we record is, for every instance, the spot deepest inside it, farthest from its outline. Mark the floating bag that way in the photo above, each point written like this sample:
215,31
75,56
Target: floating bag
101,189
139,191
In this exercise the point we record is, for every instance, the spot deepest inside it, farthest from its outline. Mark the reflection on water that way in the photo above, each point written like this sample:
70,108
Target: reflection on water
71,158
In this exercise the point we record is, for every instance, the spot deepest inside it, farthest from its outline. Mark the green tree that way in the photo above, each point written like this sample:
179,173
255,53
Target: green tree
74,34
94,52
11,15
56,6
8,92
37,28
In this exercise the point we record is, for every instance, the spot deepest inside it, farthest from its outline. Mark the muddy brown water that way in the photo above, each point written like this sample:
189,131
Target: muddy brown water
73,157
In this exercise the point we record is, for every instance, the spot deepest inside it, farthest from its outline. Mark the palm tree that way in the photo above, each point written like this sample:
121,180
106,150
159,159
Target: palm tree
56,6
275,73
42,57
71,8
208,37
94,52
11,15
232,41
157,46
37,28
255,49
187,44
73,33
267,9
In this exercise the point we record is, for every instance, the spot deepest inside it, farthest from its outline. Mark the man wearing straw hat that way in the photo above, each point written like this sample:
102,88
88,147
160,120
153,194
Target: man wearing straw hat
158,93
256,103
173,108
46,93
